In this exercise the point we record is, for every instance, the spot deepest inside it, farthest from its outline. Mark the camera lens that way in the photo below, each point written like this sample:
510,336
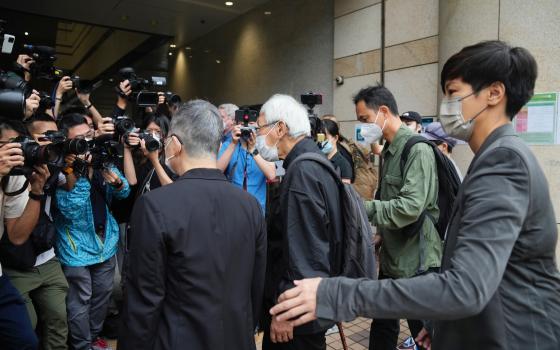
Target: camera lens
76,146
152,144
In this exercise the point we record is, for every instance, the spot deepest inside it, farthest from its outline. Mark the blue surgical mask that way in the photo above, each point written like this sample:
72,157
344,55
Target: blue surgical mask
326,147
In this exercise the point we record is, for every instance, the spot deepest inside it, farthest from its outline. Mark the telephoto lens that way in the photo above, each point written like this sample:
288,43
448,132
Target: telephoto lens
76,146
12,104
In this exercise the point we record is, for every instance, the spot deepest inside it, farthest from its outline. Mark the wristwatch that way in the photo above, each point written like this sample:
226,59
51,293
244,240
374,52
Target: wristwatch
36,197
255,152
88,106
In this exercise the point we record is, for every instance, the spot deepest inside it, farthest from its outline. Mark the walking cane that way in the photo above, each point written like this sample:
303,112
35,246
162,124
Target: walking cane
342,336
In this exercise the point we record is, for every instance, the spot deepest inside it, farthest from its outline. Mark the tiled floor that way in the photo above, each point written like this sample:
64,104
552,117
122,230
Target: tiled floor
356,334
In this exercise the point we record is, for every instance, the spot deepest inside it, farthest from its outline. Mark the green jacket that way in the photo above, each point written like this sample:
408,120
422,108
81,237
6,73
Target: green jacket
403,199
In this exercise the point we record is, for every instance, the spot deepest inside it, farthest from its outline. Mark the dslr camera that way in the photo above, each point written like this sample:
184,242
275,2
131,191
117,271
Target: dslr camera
153,143
35,154
246,116
75,146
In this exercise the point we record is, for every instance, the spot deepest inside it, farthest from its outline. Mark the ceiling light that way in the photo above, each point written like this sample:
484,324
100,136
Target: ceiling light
218,61
26,33
229,3
172,46
187,48
268,13
171,54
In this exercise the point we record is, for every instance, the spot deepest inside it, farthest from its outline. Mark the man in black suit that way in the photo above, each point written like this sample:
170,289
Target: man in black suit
197,252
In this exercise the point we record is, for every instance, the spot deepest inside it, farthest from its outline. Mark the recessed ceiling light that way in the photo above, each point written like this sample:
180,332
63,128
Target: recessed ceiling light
26,33
229,3
187,48
268,13
218,61
171,54
172,46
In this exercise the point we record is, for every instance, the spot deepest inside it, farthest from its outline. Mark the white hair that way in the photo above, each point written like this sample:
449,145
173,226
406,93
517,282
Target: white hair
285,108
230,109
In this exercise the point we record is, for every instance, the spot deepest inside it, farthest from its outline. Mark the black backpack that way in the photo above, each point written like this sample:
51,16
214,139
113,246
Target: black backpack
358,258
449,183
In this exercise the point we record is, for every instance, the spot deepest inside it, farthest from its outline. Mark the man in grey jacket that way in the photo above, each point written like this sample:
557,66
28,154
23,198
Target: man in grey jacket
499,285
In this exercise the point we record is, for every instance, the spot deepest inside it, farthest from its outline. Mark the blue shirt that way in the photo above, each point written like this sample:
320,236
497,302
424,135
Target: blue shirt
256,181
77,243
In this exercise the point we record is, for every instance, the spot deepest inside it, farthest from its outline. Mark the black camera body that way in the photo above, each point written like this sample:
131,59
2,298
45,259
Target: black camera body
123,125
246,116
137,83
35,154
44,57
152,143
75,146
311,100
104,152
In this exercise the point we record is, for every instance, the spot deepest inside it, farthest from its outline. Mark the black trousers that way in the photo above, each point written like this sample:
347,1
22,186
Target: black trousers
15,327
384,333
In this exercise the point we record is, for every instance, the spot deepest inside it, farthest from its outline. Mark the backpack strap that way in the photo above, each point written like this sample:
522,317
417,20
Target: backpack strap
318,158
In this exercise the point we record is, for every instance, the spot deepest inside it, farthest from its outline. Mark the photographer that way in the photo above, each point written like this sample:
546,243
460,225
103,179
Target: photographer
32,266
227,112
87,237
241,162
150,162
19,216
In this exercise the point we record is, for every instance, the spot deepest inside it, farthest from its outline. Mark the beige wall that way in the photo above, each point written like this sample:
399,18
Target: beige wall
289,52
420,35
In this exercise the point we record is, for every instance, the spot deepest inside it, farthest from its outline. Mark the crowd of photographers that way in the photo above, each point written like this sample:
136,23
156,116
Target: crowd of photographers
70,178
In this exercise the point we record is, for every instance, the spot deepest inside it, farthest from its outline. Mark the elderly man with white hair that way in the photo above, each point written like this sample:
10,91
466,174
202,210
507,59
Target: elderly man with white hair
227,113
310,218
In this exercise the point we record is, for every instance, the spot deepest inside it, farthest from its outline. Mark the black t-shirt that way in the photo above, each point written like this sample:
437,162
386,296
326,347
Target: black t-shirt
340,163
147,181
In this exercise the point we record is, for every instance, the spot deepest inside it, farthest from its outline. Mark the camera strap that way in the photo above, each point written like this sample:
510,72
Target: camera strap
99,203
5,181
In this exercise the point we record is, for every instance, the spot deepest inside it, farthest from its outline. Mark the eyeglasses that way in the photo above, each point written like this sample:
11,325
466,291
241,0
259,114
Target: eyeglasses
266,125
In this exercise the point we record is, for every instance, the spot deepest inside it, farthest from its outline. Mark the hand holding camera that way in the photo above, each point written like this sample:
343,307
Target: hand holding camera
106,127
11,156
38,178
236,134
131,140
32,103
64,86
111,178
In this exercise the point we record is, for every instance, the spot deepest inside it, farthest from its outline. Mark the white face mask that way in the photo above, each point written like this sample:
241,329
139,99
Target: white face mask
267,152
452,120
167,159
371,132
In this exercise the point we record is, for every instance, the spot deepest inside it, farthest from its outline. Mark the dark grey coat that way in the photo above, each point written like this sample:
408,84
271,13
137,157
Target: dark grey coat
499,286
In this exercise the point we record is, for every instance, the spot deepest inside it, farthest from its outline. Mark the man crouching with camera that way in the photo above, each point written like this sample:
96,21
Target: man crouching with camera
88,233
26,252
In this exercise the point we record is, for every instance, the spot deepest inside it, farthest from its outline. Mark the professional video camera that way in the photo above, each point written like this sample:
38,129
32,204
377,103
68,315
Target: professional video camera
44,57
311,100
140,87
35,154
246,115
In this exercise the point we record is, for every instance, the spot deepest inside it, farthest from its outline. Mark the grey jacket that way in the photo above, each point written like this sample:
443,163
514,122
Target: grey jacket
499,286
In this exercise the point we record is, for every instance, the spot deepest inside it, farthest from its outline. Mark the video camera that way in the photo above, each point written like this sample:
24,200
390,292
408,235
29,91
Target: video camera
246,116
311,100
139,87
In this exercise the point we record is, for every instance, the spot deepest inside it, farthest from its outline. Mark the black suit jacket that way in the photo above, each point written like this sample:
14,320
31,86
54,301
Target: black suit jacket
195,269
